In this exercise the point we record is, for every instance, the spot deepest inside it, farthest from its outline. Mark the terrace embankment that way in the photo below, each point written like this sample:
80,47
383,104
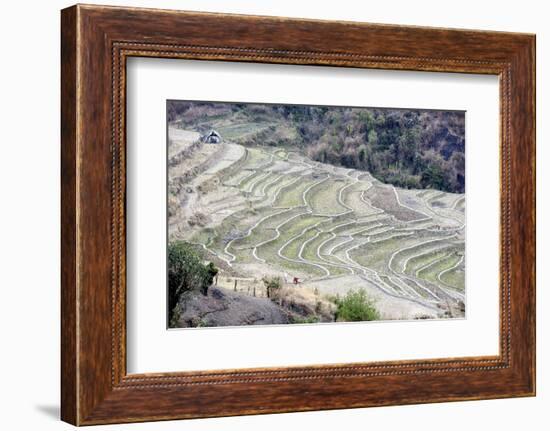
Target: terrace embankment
269,211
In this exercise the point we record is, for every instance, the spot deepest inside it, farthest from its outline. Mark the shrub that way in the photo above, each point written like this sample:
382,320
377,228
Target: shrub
186,272
272,285
306,320
211,272
355,307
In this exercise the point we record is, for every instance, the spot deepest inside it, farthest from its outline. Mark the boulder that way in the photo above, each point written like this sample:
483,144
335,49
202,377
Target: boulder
222,307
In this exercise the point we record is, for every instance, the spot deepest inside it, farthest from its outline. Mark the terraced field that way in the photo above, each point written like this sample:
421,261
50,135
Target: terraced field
269,211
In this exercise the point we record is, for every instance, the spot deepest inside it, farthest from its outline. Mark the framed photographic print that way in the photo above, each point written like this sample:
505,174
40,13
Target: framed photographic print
317,235
267,215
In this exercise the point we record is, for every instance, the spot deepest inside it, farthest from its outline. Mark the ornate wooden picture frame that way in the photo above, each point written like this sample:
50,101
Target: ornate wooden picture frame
96,41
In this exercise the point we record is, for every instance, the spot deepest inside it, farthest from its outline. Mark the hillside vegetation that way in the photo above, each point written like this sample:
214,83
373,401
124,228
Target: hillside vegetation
406,148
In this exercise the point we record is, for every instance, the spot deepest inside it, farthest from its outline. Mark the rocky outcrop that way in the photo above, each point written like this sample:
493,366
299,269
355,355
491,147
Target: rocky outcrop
221,307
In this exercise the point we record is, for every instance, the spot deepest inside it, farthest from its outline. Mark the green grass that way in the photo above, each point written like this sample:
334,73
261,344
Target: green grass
203,236
357,228
330,258
382,236
454,278
240,130
269,251
430,273
310,250
236,177
299,268
437,242
254,187
258,186
444,200
281,154
258,234
291,196
256,157
377,255
272,189
291,250
352,197
232,226
279,216
418,262
323,198
244,185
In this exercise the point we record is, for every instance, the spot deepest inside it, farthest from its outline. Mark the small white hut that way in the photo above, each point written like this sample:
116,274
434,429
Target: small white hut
212,137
